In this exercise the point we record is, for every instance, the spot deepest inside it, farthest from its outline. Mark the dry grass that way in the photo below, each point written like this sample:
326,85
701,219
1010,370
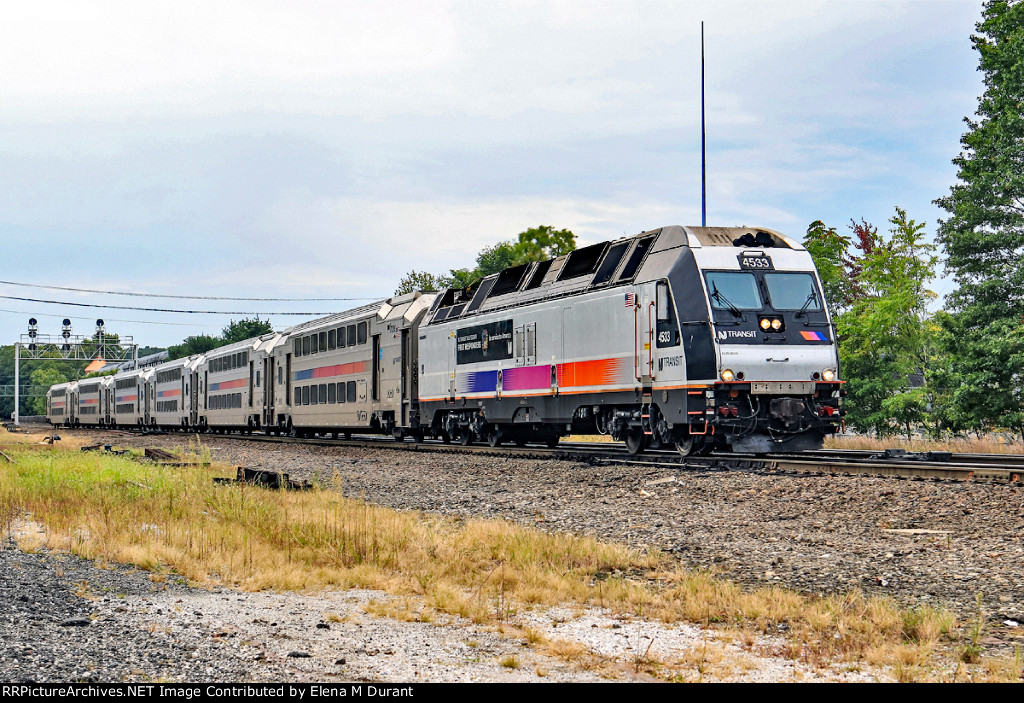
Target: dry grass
108,507
958,446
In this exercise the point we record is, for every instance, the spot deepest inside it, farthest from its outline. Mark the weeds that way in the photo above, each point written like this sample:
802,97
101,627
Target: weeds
109,507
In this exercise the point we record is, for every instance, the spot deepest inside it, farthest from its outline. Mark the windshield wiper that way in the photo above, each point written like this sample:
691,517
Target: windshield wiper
811,298
725,301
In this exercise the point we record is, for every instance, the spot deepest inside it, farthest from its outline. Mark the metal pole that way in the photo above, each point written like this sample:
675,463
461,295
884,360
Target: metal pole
703,182
17,379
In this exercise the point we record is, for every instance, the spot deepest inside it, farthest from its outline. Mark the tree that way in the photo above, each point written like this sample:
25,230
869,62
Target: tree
245,329
41,379
545,242
193,345
535,244
886,335
829,249
983,237
419,280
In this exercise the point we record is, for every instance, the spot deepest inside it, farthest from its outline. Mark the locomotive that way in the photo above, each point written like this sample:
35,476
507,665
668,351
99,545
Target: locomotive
701,338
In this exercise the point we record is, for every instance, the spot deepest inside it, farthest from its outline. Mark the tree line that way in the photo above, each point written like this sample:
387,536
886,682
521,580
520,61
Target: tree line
958,368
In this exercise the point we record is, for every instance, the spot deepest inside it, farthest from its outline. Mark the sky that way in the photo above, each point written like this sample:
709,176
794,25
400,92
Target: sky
324,149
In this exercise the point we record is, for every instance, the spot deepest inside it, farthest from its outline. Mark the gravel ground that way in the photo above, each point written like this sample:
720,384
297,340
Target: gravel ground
64,619
917,541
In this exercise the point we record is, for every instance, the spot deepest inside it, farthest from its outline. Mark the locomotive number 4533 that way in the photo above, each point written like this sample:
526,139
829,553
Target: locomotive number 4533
756,262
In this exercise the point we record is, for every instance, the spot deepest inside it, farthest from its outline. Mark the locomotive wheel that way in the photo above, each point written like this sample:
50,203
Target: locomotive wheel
635,442
685,446
552,441
466,437
417,436
495,437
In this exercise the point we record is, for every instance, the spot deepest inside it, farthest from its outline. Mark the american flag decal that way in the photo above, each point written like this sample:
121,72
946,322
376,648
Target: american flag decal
630,300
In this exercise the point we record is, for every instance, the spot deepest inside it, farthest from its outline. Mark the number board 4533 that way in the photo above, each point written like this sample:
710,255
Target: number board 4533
755,262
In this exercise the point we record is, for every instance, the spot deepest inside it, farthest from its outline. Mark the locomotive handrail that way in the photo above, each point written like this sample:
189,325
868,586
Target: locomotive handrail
636,333
650,339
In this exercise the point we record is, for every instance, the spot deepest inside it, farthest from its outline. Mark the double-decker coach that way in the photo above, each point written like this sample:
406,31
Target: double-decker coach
351,372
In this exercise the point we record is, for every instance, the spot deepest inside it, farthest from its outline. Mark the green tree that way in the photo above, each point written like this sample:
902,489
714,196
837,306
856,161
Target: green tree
544,242
830,250
41,379
983,237
193,345
886,335
245,329
535,244
419,280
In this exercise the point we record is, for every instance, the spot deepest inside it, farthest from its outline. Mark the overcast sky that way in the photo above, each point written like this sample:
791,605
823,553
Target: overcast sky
323,149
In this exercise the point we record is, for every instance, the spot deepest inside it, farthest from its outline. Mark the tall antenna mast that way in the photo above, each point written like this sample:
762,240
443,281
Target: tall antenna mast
703,163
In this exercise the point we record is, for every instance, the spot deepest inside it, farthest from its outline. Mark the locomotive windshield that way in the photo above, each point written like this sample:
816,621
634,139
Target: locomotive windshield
792,291
731,291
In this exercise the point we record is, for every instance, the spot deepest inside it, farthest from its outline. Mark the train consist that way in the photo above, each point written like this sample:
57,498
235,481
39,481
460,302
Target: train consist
705,338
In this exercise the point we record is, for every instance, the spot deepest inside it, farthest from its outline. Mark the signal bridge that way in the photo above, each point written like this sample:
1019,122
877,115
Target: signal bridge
67,346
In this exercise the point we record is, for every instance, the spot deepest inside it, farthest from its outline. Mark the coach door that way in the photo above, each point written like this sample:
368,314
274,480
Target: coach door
193,414
268,390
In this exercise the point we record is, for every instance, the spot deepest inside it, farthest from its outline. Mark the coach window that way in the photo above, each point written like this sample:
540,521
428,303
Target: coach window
332,339
298,346
362,333
351,391
341,392
323,341
332,395
298,396
351,335
305,346
341,338
305,395
323,392
312,395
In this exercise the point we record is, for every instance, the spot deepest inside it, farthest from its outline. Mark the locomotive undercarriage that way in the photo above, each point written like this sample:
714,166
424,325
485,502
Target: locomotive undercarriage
694,422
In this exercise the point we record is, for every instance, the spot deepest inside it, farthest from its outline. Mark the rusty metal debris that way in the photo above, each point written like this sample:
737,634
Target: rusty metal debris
269,479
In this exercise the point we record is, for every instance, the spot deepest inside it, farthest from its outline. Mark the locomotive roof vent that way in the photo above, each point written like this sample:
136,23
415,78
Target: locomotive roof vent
760,237
749,239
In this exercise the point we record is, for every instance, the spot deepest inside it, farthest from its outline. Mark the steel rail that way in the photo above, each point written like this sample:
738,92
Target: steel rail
992,468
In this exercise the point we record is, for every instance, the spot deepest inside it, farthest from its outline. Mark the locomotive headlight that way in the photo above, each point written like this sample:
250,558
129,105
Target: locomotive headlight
828,375
727,374
765,323
776,324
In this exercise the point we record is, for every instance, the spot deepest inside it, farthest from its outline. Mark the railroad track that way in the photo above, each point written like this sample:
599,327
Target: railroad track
936,466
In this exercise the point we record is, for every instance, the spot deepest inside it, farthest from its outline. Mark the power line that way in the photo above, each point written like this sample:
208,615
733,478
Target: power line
180,297
183,312
136,322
